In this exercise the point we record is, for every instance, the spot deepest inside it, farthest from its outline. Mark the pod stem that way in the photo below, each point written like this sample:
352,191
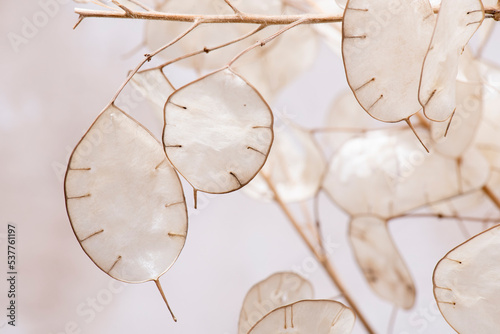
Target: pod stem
158,285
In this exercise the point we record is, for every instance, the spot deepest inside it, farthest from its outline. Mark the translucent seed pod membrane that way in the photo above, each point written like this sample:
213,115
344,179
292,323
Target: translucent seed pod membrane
218,132
125,200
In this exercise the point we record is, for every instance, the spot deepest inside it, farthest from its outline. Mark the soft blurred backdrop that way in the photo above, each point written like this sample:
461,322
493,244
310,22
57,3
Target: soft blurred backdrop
53,84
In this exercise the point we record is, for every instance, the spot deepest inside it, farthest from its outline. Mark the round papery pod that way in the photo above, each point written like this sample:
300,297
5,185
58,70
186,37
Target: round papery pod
218,132
275,291
308,316
457,22
295,167
124,200
382,63
466,284
159,34
387,173
379,259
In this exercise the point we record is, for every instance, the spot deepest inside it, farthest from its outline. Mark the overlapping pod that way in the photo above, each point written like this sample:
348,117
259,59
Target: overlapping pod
380,261
404,177
384,46
275,291
295,167
218,132
466,284
124,200
456,23
308,316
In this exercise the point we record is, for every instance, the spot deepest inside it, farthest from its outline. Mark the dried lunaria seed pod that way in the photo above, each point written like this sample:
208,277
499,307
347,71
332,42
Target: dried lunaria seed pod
218,132
456,23
380,261
466,285
308,316
275,291
154,86
382,62
385,173
295,167
125,201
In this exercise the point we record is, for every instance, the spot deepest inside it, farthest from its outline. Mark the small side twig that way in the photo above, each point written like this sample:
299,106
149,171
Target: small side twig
267,40
148,58
127,10
235,10
140,4
210,49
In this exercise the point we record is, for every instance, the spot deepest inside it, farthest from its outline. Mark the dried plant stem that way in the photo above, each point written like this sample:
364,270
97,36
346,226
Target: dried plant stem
238,17
266,40
457,217
158,285
148,58
210,49
487,191
235,18
322,259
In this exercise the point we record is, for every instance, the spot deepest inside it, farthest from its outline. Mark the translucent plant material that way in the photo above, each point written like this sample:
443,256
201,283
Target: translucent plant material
380,261
275,291
295,167
346,114
453,139
125,201
154,86
308,316
386,173
382,62
456,23
466,285
218,132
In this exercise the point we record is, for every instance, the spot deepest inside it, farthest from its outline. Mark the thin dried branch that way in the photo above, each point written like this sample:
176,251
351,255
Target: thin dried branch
148,58
207,50
246,18
140,4
236,10
268,39
332,273
453,217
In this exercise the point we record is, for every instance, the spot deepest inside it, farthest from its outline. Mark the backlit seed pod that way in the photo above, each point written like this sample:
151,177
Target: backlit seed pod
218,132
308,316
382,62
275,291
457,22
466,286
